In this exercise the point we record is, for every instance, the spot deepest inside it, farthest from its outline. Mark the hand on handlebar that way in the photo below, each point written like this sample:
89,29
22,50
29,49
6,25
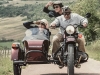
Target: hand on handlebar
85,25
52,27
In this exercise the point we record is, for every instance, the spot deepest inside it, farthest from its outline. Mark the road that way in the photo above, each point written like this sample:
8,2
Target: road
92,67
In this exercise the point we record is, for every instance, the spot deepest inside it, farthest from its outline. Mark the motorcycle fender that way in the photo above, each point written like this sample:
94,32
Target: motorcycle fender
14,54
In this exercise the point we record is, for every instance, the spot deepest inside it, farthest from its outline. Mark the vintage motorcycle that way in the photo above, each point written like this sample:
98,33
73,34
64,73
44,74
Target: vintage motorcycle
68,54
36,52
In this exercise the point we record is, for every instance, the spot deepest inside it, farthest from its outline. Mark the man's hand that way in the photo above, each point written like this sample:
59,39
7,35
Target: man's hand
37,22
53,26
84,24
50,3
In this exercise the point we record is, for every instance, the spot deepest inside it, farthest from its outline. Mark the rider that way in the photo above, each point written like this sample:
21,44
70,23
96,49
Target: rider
57,6
40,29
62,21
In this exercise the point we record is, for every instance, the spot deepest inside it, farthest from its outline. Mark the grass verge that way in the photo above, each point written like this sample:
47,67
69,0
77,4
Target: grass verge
94,50
5,66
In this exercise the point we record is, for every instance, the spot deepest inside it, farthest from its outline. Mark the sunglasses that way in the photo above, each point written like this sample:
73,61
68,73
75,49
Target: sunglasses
67,13
55,7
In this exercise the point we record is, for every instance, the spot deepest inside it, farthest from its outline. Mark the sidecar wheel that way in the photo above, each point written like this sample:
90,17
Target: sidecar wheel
17,69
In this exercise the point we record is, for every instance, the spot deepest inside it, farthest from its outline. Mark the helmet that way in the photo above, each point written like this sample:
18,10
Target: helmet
66,8
58,3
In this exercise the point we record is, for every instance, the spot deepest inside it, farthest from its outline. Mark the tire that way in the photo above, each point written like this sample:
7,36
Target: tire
70,59
16,69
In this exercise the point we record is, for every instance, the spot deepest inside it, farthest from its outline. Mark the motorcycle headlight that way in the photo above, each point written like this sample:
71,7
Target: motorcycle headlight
70,29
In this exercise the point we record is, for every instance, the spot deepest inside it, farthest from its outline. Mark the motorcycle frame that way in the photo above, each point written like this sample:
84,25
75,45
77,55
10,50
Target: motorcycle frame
68,39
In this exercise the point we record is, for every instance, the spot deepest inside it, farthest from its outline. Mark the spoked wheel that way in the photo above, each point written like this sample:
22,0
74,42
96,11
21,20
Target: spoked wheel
70,60
17,69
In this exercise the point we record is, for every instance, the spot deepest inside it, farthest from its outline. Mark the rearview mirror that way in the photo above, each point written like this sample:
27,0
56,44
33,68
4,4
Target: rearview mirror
88,15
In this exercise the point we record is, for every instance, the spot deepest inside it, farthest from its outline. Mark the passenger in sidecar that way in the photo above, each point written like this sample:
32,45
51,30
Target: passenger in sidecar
38,31
35,43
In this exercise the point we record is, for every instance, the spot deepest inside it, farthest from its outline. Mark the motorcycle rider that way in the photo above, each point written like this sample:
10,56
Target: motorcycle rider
41,29
57,6
62,21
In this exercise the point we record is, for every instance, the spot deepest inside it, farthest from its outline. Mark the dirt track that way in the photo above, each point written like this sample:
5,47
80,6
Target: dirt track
91,67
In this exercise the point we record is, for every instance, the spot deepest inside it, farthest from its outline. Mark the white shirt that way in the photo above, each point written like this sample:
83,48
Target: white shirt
74,19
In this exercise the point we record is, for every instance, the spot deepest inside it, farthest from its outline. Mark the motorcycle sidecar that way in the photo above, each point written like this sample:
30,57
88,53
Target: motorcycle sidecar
32,52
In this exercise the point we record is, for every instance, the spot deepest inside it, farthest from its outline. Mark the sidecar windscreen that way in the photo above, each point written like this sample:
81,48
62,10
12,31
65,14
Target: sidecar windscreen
36,34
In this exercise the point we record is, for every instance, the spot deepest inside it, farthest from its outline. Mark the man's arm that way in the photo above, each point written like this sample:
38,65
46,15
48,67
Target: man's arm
55,23
28,24
83,20
45,9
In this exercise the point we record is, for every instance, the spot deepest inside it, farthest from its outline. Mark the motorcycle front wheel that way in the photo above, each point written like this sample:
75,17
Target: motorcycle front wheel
70,59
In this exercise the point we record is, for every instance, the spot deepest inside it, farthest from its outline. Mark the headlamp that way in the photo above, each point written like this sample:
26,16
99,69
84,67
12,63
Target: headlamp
70,29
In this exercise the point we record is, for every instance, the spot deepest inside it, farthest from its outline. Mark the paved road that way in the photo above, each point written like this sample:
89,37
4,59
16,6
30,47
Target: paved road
91,67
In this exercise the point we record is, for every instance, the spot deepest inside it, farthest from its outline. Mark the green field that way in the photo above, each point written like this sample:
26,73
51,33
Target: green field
6,44
6,67
11,28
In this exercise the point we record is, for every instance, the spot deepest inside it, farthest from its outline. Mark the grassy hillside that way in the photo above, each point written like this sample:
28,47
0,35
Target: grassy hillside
11,28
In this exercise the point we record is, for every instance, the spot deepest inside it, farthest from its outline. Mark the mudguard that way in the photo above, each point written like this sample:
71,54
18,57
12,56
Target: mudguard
14,51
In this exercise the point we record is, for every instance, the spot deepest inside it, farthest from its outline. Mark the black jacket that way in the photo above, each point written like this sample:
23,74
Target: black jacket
28,25
46,10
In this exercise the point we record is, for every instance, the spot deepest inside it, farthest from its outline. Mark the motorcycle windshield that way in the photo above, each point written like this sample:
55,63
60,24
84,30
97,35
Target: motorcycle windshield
36,34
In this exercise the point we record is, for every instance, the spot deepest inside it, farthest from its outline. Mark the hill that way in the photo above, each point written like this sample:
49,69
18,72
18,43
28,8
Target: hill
11,28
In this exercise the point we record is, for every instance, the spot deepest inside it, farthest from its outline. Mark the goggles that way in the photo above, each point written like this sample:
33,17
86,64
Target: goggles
66,13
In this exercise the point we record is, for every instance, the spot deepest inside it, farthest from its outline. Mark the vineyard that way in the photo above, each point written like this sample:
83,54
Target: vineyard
5,52
5,61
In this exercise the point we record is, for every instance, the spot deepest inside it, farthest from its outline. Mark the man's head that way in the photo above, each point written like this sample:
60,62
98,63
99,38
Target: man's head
66,11
57,5
44,23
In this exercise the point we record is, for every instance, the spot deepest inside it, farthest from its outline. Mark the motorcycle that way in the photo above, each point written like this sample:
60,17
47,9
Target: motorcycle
32,50
68,54
36,52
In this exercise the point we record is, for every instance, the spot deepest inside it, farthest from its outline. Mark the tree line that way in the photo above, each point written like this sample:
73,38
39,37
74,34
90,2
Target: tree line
92,32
